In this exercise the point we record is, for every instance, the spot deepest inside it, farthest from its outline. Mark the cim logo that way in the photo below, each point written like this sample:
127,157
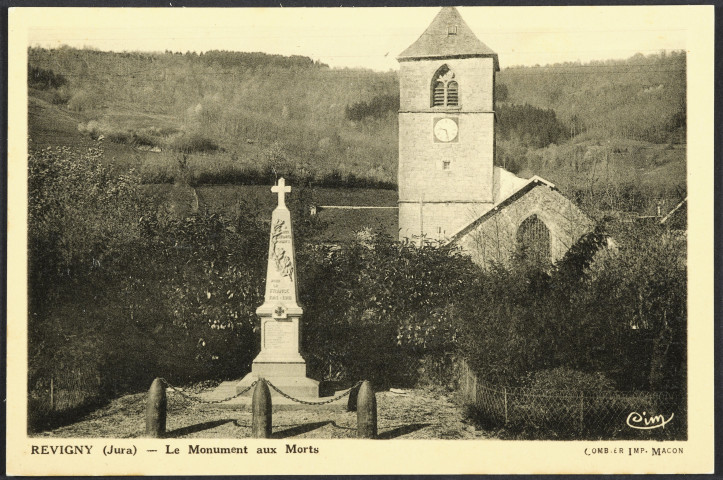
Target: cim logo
643,422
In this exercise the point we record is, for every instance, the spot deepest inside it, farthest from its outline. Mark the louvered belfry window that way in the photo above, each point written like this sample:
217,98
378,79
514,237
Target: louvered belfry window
452,93
533,241
438,99
445,90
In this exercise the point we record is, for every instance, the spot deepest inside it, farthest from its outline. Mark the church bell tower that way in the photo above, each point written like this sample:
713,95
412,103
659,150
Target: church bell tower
446,130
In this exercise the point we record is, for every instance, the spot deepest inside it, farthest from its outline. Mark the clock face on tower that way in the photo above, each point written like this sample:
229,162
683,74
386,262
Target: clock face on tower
446,130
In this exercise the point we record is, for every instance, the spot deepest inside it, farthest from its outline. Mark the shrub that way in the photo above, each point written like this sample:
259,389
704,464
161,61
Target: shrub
144,139
377,107
118,136
563,378
44,79
622,315
60,97
82,229
82,101
194,143
95,305
375,307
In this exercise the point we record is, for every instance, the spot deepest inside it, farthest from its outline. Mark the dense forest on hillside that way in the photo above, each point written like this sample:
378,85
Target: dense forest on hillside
641,98
586,127
245,102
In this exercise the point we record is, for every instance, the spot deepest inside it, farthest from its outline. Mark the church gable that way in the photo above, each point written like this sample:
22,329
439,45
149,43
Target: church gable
535,221
448,36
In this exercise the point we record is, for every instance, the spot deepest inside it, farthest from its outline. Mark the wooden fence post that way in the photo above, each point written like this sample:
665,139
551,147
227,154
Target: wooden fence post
465,379
468,380
505,391
581,413
474,390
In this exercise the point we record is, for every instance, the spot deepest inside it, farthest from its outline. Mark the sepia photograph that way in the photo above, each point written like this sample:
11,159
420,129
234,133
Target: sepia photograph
286,233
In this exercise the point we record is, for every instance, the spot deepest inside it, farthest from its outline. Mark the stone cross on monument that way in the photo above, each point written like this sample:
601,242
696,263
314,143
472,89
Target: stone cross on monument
280,360
281,189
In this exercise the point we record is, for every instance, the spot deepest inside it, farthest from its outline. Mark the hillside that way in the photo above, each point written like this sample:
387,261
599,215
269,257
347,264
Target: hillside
230,117
247,106
641,98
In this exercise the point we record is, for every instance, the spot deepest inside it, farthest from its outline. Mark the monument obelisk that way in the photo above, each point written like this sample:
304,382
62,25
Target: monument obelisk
280,361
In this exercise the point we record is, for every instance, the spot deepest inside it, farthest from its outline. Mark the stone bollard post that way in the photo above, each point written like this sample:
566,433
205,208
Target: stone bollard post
261,410
366,412
156,410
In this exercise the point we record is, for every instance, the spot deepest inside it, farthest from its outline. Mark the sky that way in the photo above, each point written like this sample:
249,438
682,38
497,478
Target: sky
368,37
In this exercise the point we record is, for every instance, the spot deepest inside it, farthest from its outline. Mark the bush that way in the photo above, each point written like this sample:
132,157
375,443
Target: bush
82,230
622,315
147,137
82,101
563,378
60,97
117,136
194,143
375,307
377,107
94,303
44,79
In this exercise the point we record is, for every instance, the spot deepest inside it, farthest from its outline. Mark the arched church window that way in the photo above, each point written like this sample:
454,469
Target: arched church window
445,90
533,241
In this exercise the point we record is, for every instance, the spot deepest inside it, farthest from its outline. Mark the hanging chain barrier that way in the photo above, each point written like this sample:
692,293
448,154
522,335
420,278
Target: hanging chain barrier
195,398
306,402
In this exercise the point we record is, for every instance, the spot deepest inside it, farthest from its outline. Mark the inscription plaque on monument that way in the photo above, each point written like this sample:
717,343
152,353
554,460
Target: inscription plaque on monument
280,360
278,335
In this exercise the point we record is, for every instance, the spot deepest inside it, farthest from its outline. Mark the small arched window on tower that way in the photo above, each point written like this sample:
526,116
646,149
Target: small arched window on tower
533,242
445,90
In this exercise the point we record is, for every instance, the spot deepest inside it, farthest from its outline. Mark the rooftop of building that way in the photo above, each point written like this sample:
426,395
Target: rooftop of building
448,36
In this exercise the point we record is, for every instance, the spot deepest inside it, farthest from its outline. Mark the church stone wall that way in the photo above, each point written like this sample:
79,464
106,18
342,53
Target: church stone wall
421,173
450,192
441,220
475,77
422,177
495,239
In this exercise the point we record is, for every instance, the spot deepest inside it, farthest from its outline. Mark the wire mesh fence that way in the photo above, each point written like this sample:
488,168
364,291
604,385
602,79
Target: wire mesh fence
562,414
63,392
51,397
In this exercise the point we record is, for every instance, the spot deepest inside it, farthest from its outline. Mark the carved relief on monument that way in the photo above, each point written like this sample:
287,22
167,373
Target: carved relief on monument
282,260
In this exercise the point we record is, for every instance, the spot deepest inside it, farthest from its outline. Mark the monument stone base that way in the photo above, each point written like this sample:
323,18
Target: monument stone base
290,378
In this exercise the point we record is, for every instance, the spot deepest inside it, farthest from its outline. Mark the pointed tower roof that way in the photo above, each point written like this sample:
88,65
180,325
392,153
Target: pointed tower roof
448,36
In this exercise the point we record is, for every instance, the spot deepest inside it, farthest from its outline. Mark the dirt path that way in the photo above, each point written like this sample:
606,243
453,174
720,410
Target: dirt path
420,414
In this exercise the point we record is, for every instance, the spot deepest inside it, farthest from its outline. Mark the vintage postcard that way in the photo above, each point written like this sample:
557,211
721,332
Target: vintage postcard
439,240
